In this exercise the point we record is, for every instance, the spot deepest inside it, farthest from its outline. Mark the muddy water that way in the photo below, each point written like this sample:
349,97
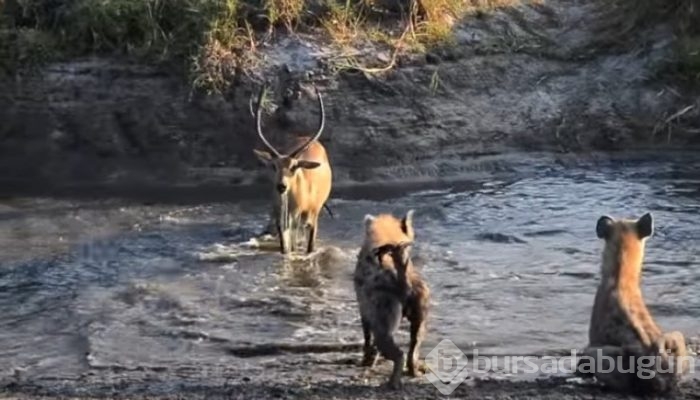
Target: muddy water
511,257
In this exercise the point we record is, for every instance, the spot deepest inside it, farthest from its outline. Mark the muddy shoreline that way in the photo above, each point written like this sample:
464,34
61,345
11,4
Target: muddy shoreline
317,383
425,176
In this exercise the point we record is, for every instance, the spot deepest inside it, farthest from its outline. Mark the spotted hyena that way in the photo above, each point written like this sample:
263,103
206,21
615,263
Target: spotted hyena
621,326
388,288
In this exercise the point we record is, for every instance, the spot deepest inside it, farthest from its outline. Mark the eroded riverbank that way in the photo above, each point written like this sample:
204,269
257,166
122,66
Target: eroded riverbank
529,77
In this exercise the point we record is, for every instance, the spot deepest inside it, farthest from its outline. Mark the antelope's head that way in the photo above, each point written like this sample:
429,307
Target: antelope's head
284,166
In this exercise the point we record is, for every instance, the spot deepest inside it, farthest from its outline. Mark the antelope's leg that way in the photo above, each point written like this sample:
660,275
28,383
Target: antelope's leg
283,247
312,234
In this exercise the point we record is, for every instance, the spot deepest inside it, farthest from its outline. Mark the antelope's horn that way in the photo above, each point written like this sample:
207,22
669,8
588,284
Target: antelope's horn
258,121
321,123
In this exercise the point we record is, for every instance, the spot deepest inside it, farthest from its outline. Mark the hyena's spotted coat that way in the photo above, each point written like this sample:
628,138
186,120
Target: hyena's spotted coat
389,288
621,326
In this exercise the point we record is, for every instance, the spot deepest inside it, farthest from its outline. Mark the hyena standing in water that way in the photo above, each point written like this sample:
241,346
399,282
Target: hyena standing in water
388,288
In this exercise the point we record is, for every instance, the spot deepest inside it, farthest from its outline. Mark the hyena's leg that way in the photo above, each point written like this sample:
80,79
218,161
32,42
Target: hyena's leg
614,366
386,322
418,322
369,357
674,354
663,364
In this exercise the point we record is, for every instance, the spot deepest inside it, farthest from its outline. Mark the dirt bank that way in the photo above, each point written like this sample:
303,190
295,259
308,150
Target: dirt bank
527,78
299,377
547,389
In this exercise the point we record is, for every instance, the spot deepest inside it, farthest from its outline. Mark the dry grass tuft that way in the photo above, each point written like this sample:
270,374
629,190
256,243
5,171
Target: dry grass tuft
286,12
217,39
345,23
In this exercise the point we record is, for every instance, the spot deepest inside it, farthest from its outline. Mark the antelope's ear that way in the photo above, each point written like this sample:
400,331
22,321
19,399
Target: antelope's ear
308,164
264,156
369,219
645,226
407,224
603,227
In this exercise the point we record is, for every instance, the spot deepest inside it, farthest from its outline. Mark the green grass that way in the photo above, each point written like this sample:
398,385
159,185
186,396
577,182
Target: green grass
212,40
149,30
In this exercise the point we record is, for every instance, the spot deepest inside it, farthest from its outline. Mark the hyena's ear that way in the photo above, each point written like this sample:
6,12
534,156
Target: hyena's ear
645,226
407,224
604,227
369,219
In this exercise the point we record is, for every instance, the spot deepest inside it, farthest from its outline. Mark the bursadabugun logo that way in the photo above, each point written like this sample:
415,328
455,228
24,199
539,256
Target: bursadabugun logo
447,367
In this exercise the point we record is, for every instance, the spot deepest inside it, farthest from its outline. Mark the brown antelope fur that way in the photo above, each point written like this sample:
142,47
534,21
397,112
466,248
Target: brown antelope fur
388,288
302,173
621,324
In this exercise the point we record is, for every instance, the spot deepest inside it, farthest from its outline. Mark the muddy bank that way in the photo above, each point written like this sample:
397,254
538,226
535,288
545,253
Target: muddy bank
547,389
522,79
365,387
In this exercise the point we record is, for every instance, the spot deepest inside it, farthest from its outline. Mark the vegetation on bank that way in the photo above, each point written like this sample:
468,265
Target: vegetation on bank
214,40
687,17
624,19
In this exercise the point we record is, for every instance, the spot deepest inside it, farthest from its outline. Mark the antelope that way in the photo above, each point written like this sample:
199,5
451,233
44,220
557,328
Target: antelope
302,177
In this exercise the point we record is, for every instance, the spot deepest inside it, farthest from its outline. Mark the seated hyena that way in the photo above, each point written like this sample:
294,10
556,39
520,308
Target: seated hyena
388,288
621,326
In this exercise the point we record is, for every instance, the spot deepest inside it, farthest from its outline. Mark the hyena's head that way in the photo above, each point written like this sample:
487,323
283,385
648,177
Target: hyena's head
386,229
624,242
385,234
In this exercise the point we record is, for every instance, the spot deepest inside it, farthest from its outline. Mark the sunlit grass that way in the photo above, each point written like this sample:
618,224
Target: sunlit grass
214,39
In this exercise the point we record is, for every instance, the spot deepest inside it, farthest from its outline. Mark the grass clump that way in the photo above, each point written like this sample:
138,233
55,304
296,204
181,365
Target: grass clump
401,25
214,40
345,22
202,33
687,63
24,47
626,18
286,12
437,17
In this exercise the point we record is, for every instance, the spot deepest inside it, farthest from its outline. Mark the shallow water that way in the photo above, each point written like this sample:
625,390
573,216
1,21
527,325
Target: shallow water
511,257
